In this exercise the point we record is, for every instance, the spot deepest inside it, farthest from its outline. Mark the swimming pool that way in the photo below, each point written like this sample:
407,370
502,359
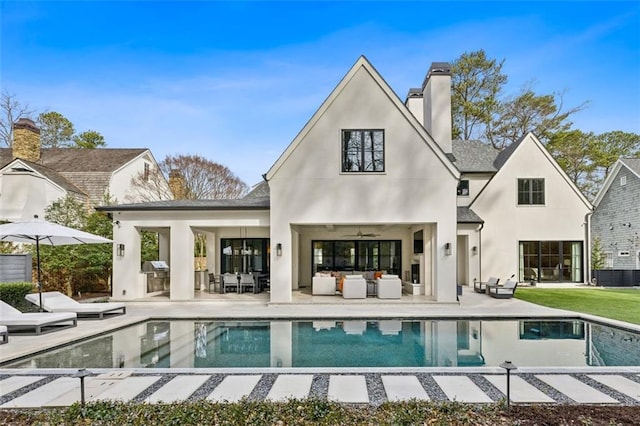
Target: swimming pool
348,343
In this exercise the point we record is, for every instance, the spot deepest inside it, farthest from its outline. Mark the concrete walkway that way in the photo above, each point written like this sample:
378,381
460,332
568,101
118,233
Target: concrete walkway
29,388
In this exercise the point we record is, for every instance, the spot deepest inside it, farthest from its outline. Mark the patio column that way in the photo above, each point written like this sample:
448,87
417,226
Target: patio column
181,266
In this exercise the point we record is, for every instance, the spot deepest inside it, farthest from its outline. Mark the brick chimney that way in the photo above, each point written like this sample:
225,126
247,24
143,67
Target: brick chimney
436,96
177,185
26,140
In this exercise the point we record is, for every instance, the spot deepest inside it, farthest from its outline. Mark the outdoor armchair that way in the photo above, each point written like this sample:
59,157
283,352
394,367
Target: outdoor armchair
481,287
505,291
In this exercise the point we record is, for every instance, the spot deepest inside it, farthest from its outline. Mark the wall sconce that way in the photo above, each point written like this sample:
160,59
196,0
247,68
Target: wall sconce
120,250
447,249
279,249
474,250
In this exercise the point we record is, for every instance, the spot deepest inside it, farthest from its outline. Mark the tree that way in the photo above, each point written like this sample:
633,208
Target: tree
476,84
572,150
12,111
89,139
597,255
202,179
611,146
56,130
479,112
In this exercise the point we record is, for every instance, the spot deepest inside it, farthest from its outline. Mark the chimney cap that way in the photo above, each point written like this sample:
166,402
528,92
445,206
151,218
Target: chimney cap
26,123
437,68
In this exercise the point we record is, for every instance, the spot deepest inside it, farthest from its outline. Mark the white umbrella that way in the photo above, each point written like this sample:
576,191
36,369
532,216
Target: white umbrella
40,231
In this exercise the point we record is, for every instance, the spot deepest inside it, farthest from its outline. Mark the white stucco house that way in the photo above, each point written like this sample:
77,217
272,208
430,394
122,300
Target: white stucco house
372,183
32,177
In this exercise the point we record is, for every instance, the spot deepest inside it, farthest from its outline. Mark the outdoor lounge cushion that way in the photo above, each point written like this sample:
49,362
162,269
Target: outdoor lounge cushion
39,322
54,301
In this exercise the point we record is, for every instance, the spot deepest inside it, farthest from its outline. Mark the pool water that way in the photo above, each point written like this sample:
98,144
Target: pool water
348,343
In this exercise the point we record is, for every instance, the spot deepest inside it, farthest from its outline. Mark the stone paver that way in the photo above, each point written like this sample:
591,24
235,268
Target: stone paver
575,389
402,388
41,396
234,388
520,389
461,388
178,389
288,386
348,389
619,383
125,389
14,383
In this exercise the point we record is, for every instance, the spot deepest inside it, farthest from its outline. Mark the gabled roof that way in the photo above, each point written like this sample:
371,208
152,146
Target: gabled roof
474,156
632,164
363,63
506,154
53,176
252,203
259,190
89,171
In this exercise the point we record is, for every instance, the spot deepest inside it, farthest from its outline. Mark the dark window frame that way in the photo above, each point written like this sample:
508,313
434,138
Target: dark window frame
354,151
531,192
463,185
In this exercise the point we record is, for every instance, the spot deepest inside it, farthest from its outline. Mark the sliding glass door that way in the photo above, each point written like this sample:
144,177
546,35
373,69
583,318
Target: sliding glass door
551,261
350,255
244,255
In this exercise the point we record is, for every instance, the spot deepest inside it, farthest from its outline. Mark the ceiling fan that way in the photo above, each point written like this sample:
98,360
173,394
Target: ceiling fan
360,234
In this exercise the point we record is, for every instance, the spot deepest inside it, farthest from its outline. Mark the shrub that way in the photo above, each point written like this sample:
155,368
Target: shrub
14,293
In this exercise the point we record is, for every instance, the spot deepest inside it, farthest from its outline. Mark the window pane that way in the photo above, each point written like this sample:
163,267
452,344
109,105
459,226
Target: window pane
362,150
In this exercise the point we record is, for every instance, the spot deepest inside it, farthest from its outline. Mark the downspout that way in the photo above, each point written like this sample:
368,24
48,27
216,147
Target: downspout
587,237
480,251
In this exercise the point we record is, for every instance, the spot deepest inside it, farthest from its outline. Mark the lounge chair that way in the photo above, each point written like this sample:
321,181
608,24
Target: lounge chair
505,291
36,322
4,335
54,301
481,287
354,287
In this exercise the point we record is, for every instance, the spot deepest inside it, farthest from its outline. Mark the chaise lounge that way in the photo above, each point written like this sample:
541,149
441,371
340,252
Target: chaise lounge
36,322
54,301
505,291
481,287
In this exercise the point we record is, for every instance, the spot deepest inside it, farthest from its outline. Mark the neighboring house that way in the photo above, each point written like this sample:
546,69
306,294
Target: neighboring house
616,218
32,177
374,183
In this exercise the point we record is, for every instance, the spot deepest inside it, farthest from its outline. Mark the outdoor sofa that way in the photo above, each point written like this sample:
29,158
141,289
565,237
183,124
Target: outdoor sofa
36,322
54,301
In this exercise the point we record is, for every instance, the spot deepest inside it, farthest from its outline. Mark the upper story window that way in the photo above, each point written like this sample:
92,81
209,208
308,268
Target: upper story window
463,187
146,173
530,192
363,150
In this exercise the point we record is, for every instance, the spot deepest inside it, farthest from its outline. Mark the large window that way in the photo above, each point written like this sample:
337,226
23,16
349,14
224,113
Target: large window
363,150
357,256
530,192
244,255
551,261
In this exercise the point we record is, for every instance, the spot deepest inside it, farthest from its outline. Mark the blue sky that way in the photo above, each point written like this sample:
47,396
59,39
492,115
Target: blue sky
236,81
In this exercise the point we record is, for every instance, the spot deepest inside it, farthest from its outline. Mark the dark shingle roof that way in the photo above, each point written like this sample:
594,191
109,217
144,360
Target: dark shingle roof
252,203
466,215
474,156
54,177
259,190
87,170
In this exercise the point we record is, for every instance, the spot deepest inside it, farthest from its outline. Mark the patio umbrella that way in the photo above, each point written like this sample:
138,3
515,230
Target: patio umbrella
40,231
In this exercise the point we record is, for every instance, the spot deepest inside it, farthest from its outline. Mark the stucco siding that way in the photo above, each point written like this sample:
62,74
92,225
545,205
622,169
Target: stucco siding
561,218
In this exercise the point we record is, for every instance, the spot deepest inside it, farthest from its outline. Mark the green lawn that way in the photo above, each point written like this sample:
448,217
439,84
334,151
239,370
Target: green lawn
619,304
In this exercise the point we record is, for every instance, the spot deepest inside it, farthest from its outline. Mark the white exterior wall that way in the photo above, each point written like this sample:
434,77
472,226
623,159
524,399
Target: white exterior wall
180,226
25,194
562,218
308,188
120,183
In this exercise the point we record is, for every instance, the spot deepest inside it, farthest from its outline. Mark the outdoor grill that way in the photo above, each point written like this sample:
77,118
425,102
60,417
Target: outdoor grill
157,275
